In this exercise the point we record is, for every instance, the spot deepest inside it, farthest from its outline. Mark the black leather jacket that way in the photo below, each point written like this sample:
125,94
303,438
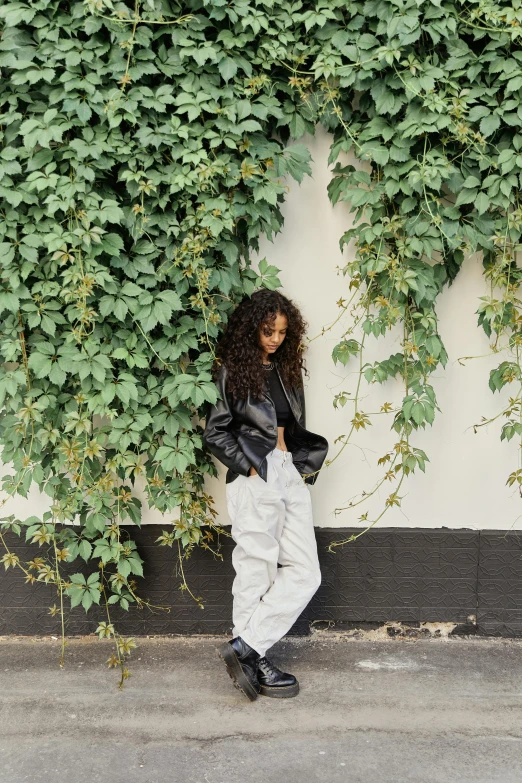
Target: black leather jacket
241,433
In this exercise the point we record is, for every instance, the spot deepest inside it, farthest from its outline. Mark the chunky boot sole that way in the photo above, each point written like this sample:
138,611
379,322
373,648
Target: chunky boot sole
227,654
279,691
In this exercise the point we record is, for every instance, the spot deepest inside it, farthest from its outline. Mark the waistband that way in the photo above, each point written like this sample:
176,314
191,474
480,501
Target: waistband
280,452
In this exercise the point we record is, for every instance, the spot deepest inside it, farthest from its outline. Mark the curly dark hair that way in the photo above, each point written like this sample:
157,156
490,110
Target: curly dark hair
239,349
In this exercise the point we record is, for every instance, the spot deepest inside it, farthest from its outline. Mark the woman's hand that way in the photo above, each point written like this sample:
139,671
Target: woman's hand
253,471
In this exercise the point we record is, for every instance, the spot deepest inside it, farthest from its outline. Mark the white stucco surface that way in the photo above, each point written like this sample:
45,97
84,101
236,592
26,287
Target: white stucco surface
465,480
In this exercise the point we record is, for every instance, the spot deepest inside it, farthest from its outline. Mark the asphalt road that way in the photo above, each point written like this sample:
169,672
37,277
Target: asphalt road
369,711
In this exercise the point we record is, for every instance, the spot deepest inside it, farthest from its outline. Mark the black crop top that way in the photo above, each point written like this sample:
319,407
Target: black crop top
276,391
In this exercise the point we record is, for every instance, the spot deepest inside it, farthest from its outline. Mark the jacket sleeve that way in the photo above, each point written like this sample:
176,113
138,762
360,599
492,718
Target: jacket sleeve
217,436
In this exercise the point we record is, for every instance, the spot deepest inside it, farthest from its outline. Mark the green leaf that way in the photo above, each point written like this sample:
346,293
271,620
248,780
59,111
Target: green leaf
227,68
345,349
481,203
85,549
296,126
130,289
40,364
14,13
489,124
112,243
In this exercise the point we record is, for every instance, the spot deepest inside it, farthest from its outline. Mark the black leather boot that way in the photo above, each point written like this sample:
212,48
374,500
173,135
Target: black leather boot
273,682
241,662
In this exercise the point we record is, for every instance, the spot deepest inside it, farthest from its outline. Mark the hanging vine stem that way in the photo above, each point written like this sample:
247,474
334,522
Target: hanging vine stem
504,317
9,559
402,449
360,420
60,586
513,31
123,646
393,499
95,6
357,421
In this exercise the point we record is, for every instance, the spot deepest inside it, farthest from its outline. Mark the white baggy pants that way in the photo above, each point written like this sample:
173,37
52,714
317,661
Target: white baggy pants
271,523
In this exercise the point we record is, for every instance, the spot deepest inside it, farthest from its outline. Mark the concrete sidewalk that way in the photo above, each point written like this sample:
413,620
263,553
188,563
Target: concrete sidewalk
369,711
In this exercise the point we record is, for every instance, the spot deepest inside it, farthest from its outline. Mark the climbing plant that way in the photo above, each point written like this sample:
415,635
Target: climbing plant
145,148
437,118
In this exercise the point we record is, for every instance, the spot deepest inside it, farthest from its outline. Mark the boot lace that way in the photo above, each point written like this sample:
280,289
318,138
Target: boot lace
268,667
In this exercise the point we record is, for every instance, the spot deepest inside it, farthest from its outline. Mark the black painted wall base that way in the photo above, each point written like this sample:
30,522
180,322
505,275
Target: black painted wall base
412,575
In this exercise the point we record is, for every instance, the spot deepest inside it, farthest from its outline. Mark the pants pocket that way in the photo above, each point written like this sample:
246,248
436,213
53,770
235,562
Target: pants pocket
298,478
232,492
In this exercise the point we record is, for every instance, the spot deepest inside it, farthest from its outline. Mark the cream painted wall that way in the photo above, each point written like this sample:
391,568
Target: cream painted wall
464,484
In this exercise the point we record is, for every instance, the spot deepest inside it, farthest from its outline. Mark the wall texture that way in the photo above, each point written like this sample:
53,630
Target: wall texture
466,578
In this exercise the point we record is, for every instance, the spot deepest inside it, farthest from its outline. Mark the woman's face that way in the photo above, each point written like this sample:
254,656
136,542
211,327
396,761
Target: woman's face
271,335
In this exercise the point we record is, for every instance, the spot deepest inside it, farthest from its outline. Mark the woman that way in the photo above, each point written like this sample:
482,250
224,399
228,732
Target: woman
257,429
